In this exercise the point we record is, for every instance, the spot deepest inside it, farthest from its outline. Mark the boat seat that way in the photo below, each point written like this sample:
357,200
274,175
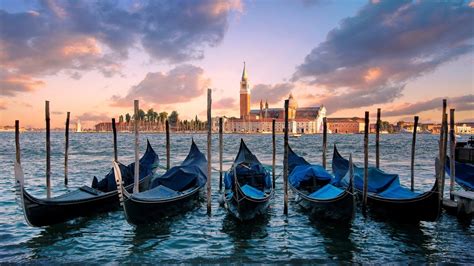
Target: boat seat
252,192
398,192
159,192
327,192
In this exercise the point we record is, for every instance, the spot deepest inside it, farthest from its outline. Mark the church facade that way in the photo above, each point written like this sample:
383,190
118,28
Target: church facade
307,120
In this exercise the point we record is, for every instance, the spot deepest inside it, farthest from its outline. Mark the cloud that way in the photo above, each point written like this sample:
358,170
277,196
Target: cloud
225,103
460,103
3,105
385,45
10,84
57,113
271,93
181,84
78,36
94,117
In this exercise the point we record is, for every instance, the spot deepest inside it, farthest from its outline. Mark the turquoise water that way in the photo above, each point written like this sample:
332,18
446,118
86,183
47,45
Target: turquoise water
196,237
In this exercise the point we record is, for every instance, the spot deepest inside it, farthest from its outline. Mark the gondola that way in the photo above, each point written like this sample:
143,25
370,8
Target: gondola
464,174
248,195
101,196
463,164
315,193
385,194
175,191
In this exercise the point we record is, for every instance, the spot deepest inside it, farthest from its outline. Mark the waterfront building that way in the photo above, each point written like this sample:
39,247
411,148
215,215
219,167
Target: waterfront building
346,125
301,119
78,126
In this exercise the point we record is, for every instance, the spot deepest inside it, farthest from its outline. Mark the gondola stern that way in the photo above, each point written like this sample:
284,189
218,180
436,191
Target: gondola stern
20,190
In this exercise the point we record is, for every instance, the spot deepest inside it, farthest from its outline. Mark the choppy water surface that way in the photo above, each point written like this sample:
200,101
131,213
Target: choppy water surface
196,237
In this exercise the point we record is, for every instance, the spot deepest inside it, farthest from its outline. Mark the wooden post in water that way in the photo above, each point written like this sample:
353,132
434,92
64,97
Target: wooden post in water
17,141
325,139
66,149
114,131
273,153
167,125
209,146
366,162
48,152
221,150
285,161
440,169
445,147
452,149
137,162
413,144
377,139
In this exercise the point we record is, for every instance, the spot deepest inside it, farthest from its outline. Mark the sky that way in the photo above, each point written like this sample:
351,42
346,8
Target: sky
93,58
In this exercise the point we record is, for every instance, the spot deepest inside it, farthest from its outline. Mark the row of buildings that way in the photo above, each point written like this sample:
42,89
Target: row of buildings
301,120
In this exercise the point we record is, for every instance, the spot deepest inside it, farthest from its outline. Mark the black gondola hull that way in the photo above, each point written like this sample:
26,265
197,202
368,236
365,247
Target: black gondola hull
337,209
40,212
142,212
247,209
426,207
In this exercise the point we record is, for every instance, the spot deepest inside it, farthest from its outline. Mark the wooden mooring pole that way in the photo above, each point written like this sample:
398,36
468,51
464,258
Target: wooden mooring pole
221,149
136,188
413,145
377,139
452,149
325,139
273,153
441,149
285,161
445,147
48,152
114,131
209,152
168,153
366,163
17,141
66,149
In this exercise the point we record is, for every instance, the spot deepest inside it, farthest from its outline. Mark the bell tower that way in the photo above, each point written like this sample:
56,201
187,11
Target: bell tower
244,96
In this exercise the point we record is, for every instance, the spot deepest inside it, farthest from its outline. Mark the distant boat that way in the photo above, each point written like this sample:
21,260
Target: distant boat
295,135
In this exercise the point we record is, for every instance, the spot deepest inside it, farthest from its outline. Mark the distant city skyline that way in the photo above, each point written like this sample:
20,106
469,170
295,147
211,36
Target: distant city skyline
94,58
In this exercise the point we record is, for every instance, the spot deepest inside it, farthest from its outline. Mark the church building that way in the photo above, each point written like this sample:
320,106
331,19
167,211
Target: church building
308,120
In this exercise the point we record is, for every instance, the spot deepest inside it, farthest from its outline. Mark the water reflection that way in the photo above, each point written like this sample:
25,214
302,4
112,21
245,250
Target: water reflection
337,239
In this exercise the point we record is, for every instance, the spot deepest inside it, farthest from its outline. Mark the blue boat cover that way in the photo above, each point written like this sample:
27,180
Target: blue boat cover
398,192
464,173
147,165
192,172
159,192
247,165
252,192
327,192
300,170
382,184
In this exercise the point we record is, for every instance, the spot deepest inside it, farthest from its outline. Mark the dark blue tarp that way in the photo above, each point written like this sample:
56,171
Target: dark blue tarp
192,172
247,165
300,170
382,184
148,164
464,173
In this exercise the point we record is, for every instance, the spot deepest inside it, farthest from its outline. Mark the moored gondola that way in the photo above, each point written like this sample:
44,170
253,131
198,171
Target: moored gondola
315,193
177,190
385,194
248,186
464,174
86,200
